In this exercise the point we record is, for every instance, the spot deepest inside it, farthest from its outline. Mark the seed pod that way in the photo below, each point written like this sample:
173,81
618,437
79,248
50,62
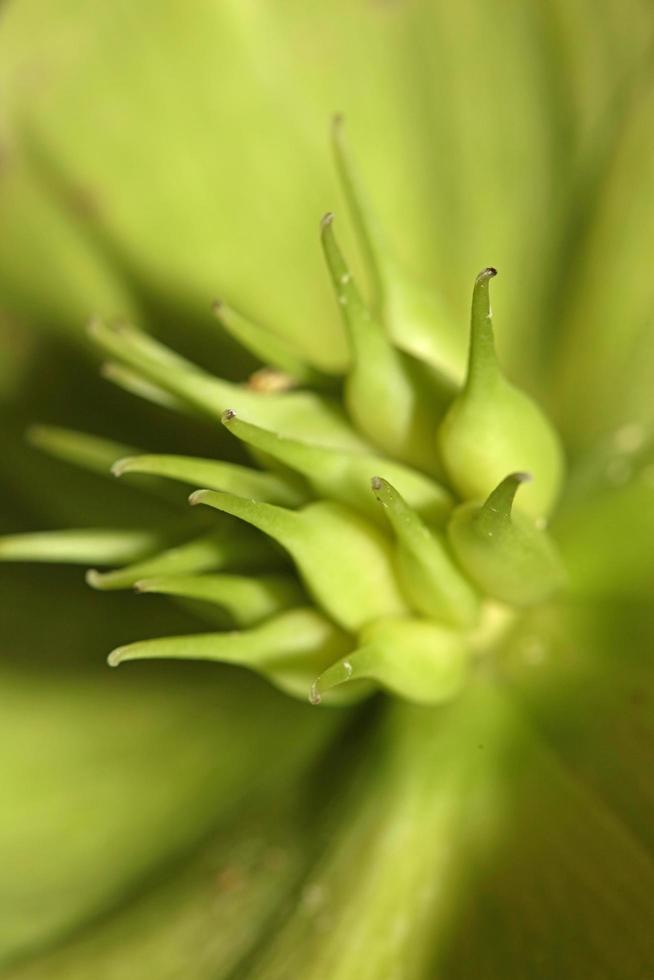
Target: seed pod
492,428
503,551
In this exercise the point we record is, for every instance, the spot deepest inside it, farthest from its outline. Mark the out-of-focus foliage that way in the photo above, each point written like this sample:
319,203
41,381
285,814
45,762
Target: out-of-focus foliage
177,823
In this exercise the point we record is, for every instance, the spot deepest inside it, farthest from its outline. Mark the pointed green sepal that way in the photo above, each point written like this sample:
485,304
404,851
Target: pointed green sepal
216,475
414,317
288,650
266,346
95,454
503,551
135,384
341,475
90,452
386,395
296,413
345,562
230,547
492,428
246,600
104,546
431,581
415,659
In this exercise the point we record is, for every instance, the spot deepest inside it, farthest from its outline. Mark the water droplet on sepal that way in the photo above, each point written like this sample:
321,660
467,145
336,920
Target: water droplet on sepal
288,649
419,660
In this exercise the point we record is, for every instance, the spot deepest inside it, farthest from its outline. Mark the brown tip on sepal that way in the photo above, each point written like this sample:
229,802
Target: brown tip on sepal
488,273
376,483
228,415
115,657
521,477
197,497
217,306
326,220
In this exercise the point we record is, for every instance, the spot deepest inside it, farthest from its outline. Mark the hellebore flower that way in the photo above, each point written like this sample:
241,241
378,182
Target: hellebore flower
422,747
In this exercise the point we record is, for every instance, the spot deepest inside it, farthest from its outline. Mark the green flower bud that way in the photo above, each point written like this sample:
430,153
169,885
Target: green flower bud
345,562
415,659
503,551
493,428
340,475
432,583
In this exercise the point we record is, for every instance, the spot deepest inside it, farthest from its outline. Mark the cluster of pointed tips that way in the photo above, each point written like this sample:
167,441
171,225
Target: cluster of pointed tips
373,531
